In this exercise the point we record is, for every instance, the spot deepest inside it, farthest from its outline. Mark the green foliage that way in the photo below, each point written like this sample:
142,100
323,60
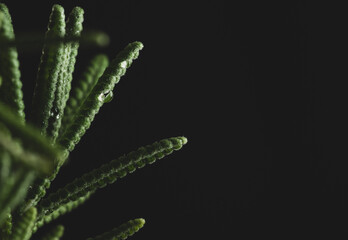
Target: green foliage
73,29
40,151
6,227
83,88
13,191
22,229
33,151
11,90
122,232
106,83
54,234
109,173
50,65
59,210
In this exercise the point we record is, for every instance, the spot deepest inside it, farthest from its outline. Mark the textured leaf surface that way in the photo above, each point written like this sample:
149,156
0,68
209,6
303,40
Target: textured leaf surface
122,232
11,85
6,227
59,211
83,88
15,190
73,30
54,234
26,150
109,173
95,100
31,141
22,230
49,68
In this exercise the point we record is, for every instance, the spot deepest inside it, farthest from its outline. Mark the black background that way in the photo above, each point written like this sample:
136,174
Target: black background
252,85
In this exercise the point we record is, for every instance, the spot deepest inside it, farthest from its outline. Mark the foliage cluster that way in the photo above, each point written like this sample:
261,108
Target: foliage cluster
33,148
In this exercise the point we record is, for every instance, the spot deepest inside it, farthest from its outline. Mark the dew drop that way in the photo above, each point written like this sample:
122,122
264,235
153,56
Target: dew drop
101,97
123,64
108,97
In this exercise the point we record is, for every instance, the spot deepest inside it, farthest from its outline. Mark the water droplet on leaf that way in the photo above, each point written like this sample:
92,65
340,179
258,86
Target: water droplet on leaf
123,64
101,97
108,97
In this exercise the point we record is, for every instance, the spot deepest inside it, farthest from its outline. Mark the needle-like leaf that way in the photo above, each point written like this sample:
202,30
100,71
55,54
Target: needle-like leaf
109,173
36,152
29,158
22,229
6,227
87,111
59,211
50,65
100,92
16,190
30,42
54,234
73,30
11,85
83,88
29,138
2,16
122,232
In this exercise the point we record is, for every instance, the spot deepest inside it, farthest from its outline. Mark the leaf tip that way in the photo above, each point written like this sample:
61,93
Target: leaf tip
183,140
141,222
57,8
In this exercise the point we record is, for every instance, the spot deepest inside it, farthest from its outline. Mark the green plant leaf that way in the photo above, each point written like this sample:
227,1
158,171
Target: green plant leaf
87,111
39,149
95,99
31,155
6,226
59,211
51,61
22,229
27,146
11,85
122,232
73,30
54,234
83,87
26,157
110,172
16,190
28,42
5,165
2,16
